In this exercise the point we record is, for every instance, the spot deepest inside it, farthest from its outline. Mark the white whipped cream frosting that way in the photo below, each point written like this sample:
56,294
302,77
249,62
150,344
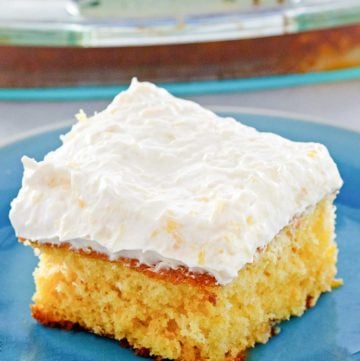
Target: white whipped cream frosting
165,181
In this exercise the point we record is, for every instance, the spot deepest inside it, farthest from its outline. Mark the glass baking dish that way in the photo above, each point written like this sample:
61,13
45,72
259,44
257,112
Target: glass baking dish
124,23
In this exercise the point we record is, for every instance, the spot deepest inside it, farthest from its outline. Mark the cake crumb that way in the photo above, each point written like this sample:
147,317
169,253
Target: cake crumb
172,228
336,283
250,220
81,202
275,330
81,116
312,153
201,258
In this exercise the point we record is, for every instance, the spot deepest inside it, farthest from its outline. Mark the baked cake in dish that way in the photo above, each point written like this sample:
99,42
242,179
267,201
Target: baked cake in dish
184,234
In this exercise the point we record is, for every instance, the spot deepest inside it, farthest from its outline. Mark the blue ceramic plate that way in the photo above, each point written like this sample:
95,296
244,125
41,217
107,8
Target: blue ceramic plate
328,332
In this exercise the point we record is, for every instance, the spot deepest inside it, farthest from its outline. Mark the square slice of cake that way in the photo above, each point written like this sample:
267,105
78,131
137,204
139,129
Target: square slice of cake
186,235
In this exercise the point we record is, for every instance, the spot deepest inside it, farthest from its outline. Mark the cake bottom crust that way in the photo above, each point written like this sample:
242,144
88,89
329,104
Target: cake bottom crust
187,320
48,321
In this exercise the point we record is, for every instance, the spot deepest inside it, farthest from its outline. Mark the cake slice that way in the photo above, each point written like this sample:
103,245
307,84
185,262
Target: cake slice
183,234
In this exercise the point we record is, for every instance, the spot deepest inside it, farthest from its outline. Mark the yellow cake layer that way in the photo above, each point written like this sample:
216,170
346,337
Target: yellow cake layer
186,320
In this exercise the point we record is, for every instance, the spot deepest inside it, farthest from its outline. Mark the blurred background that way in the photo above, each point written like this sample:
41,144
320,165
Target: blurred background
297,56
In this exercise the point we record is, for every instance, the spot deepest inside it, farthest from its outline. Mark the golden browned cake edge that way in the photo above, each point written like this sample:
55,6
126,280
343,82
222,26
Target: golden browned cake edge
207,292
